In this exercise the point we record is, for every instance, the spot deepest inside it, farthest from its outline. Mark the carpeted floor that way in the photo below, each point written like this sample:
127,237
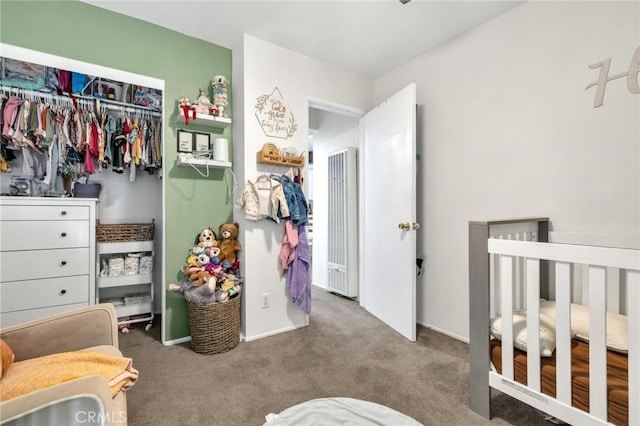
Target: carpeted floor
344,352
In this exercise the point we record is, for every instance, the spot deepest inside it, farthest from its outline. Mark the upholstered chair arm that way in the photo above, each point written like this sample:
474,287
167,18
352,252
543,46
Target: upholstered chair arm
68,331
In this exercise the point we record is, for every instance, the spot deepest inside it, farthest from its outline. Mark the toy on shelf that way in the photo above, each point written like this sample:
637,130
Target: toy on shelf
220,84
186,107
203,105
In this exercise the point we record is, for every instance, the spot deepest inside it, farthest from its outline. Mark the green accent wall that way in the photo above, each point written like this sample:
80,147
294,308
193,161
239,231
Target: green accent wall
90,34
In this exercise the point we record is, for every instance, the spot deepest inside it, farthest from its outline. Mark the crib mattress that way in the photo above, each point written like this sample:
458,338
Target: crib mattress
617,377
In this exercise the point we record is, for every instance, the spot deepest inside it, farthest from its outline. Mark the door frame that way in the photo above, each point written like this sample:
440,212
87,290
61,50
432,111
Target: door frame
341,109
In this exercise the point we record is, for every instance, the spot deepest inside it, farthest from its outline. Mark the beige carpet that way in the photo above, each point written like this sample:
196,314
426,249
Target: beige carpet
344,352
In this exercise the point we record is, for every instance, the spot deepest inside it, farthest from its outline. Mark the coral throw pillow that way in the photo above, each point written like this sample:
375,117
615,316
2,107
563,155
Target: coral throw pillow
7,357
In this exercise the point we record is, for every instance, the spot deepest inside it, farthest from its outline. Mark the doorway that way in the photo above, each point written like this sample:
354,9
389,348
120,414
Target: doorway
331,128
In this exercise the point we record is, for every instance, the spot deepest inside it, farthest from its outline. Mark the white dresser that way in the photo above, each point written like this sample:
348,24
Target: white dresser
47,256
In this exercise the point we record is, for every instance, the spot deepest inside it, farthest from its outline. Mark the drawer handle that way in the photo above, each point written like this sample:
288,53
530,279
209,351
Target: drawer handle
63,212
63,291
64,234
63,263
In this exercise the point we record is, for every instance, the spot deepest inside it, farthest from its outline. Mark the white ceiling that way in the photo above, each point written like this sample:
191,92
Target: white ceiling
367,37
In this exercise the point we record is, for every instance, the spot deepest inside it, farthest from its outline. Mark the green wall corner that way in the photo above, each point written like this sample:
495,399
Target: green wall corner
90,34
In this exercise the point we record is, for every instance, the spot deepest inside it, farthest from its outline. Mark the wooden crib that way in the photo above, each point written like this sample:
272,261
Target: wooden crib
515,273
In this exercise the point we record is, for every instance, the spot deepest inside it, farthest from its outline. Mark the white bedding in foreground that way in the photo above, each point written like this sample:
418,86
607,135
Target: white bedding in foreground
339,411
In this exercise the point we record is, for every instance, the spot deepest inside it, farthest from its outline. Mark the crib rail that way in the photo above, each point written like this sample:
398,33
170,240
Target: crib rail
511,265
529,254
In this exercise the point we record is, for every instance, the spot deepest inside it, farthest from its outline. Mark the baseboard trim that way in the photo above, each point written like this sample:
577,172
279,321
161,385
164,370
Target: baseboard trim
177,341
445,332
274,332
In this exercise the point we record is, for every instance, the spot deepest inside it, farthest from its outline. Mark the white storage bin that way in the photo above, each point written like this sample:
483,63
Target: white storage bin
137,298
146,264
132,264
116,266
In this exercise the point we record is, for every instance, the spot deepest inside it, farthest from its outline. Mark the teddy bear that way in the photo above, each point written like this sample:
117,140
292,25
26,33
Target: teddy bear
206,238
229,245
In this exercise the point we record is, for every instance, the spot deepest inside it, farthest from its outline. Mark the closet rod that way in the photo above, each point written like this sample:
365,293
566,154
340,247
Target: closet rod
66,100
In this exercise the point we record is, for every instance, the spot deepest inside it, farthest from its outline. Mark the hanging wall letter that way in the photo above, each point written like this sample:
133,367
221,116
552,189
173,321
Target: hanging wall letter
631,74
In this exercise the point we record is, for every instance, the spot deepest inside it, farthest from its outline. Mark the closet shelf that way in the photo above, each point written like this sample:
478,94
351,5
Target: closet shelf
104,282
270,154
205,120
202,162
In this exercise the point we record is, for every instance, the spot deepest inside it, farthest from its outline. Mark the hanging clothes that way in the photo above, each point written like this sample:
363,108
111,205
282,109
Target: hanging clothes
298,273
69,139
289,244
261,198
297,202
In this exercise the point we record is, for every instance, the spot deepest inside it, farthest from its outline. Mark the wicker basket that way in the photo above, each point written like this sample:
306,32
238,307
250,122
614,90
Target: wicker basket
215,327
121,232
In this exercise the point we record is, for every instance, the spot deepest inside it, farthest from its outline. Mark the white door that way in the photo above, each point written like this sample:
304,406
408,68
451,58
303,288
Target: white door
388,194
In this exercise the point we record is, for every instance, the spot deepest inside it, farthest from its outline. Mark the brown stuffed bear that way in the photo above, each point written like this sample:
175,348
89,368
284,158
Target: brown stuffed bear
229,245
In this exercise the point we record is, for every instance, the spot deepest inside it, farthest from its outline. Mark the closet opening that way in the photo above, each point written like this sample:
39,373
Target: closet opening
81,131
332,180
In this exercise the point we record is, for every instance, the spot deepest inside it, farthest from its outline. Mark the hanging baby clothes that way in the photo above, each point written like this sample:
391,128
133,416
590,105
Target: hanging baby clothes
288,249
298,207
298,275
118,141
261,199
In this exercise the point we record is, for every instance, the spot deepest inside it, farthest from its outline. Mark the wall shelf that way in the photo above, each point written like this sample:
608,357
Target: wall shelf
205,120
202,162
270,154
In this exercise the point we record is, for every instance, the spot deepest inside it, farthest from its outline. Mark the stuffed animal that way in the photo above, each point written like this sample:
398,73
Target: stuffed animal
230,281
206,238
214,253
229,245
202,294
203,104
197,273
197,276
220,84
186,106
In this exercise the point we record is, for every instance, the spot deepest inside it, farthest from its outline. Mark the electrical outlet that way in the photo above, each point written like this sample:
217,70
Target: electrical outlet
265,300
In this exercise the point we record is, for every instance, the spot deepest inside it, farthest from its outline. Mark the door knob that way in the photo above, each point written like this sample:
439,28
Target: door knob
416,226
405,226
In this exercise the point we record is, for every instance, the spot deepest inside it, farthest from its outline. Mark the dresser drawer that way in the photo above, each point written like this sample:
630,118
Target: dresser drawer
32,264
18,317
20,295
50,212
39,235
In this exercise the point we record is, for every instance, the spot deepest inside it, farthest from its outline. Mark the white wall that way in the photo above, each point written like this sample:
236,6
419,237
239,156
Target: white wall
508,130
335,132
259,67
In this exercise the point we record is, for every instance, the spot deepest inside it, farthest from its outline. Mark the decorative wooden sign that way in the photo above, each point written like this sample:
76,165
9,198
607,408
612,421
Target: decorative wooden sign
601,83
274,117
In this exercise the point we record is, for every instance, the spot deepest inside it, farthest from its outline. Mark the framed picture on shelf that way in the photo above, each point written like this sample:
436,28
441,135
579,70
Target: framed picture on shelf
193,142
185,141
202,141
